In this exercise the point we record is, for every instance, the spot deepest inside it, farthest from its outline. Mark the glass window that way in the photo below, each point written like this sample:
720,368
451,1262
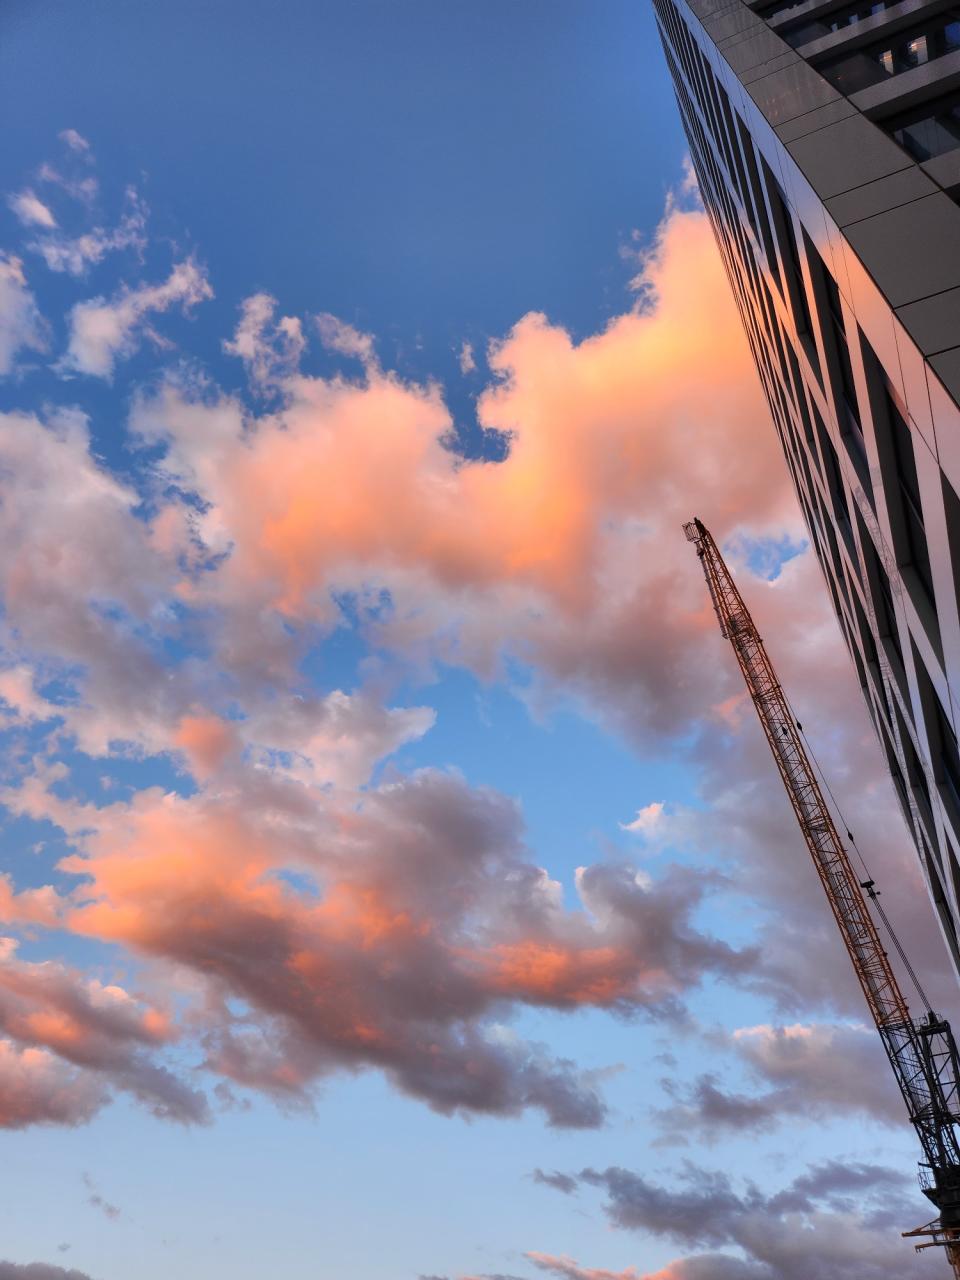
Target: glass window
876,62
886,613
949,752
929,130
801,32
909,487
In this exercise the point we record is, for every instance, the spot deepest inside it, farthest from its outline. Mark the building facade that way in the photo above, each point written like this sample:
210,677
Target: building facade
826,139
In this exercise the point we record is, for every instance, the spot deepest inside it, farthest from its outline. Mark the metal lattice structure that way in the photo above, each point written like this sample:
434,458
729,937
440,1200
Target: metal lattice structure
923,1054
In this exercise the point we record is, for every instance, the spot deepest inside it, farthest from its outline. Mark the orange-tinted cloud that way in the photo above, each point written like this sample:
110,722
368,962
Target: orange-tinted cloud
395,927
392,934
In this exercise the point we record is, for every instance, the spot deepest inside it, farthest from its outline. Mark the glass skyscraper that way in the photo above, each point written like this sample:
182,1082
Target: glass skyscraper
826,139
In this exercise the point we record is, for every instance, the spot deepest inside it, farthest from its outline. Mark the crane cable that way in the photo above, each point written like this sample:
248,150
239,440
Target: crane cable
869,885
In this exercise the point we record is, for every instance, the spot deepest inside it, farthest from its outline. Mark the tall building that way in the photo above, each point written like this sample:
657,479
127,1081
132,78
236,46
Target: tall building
826,138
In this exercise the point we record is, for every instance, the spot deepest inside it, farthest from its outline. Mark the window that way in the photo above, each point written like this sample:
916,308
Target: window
915,770
886,612
915,535
783,6
928,130
847,385
949,750
877,62
802,32
834,479
847,403
867,640
791,262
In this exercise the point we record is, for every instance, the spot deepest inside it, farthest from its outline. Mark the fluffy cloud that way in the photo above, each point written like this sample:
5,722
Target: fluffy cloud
108,1036
328,924
838,1221
806,1070
101,331
21,325
428,924
36,1087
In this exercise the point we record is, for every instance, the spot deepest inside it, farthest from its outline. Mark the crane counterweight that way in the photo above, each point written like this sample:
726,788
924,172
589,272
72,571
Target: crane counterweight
922,1053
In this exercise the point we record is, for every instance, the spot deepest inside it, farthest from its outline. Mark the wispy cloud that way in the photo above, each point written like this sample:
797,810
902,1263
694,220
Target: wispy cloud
467,360
21,325
103,331
75,254
270,350
31,210
337,335
75,141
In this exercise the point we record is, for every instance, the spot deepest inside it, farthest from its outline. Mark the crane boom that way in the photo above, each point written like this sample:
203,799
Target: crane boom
922,1053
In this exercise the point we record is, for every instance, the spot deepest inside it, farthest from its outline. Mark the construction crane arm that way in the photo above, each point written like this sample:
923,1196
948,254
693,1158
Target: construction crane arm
922,1054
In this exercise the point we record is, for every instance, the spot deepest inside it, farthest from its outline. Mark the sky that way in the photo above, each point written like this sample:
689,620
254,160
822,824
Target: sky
395,885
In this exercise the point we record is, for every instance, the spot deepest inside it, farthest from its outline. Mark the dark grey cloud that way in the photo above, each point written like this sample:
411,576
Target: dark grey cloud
98,1201
809,1071
836,1221
39,1271
559,1181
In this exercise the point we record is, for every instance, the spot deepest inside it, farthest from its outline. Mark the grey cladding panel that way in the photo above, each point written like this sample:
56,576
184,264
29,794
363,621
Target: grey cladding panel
933,323
704,8
877,197
846,155
722,26
786,59
754,51
793,91
911,252
815,120
947,367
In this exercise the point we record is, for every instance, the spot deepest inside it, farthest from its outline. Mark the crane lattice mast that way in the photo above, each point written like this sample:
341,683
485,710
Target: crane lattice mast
922,1053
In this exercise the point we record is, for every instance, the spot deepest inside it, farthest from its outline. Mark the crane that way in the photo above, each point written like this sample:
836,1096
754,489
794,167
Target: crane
922,1052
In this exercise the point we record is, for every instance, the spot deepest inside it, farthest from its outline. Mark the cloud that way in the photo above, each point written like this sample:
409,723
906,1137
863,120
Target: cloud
82,578
334,921
97,1201
337,335
74,255
84,189
109,1036
568,1269
838,1221
21,325
559,1181
268,357
38,1088
432,925
31,210
466,359
75,141
646,820
39,1271
102,332
812,1071
544,555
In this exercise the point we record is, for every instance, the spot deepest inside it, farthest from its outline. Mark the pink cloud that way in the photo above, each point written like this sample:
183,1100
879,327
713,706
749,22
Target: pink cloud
396,927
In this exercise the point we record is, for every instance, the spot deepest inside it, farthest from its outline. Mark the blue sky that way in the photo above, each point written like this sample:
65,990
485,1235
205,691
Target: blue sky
246,592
